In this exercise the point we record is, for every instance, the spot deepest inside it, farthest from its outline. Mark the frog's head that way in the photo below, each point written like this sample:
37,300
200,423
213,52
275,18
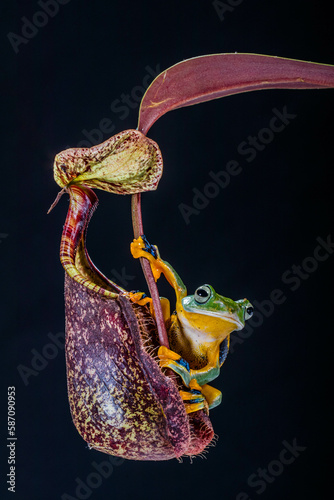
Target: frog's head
209,314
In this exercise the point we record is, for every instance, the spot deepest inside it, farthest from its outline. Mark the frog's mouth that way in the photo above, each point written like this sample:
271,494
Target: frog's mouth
207,327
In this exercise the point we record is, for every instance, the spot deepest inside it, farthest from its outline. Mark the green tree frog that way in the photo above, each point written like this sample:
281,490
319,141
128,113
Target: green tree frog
198,331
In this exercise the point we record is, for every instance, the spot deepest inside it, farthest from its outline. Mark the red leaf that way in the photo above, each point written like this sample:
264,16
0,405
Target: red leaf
212,76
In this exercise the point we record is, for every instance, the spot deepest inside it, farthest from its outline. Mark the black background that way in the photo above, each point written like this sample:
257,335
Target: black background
275,384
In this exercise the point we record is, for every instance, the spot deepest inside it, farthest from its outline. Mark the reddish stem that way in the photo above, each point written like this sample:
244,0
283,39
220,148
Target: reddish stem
138,230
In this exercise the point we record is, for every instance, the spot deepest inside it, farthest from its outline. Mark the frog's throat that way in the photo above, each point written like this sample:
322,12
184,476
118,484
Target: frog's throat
196,337
239,325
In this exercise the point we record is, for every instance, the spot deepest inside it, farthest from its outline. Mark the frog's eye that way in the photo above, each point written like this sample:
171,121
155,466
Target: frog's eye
249,312
202,294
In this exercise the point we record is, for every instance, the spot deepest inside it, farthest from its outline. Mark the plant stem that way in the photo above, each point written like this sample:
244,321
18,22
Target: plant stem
137,224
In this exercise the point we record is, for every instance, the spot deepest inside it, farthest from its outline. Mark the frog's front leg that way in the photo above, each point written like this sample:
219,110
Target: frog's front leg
140,247
142,299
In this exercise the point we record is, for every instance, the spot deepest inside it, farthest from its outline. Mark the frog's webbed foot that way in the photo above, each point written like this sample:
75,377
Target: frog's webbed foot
194,400
208,397
140,247
152,249
172,360
138,297
201,398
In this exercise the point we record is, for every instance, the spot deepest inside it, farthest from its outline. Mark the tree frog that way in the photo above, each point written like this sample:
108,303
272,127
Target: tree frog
198,331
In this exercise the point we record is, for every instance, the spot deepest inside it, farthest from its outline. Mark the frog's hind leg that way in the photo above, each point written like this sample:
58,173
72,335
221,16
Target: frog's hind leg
213,396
